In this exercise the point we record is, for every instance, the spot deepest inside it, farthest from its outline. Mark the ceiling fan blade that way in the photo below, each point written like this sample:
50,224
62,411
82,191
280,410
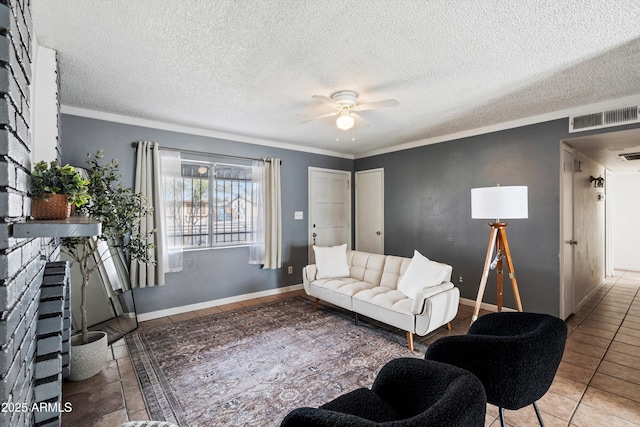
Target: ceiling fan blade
326,100
377,104
360,122
320,117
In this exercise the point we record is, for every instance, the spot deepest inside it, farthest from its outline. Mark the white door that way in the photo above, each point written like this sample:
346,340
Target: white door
370,211
567,242
329,208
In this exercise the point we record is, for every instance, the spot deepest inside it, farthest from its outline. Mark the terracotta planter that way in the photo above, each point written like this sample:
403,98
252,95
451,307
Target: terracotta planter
88,359
55,206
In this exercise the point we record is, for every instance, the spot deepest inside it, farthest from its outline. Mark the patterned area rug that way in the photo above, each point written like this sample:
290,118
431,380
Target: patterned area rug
250,367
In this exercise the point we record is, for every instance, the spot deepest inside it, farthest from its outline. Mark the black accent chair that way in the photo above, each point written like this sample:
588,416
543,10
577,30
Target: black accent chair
406,392
515,355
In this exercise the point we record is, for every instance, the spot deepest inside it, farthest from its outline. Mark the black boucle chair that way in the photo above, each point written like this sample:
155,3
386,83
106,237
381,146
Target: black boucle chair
515,356
406,392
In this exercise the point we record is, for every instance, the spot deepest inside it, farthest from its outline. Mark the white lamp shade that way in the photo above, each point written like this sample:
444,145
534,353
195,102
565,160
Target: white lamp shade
499,202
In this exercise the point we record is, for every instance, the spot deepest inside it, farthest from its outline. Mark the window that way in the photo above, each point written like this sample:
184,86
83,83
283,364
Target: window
210,205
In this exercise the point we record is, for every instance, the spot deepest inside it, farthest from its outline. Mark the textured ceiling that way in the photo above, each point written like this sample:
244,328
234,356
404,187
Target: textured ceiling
249,68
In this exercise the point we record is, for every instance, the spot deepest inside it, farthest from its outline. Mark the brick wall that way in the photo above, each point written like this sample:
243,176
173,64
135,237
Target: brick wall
22,261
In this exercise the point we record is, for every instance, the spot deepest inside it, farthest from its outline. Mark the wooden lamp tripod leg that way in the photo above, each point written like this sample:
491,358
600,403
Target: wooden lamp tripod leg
485,274
502,237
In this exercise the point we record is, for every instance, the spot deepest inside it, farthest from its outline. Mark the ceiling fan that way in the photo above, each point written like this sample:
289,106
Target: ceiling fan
345,103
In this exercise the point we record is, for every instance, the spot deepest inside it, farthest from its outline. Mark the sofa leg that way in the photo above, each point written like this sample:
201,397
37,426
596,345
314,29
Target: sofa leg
410,340
449,326
355,319
315,304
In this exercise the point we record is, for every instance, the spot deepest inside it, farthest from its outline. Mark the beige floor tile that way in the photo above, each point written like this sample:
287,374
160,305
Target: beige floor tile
134,401
229,307
139,416
109,420
583,348
183,316
616,386
588,339
631,325
620,371
567,387
580,359
600,325
154,323
588,416
613,404
622,359
575,373
207,311
120,352
628,331
627,339
526,417
557,405
624,348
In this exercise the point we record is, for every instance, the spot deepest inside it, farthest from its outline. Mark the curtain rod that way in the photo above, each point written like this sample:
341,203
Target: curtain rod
204,153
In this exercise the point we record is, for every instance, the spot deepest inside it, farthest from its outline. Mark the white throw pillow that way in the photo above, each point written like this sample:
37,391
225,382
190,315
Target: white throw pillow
331,262
422,273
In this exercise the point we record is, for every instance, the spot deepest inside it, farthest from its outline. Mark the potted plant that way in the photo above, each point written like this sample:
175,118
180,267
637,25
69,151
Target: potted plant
120,211
54,188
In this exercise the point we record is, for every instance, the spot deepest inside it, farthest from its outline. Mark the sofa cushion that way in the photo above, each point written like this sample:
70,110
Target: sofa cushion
331,261
422,273
394,268
365,266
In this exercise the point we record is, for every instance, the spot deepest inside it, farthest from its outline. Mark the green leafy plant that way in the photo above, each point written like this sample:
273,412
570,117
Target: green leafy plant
120,211
51,178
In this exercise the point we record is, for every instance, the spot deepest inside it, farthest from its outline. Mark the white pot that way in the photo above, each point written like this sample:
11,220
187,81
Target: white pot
88,359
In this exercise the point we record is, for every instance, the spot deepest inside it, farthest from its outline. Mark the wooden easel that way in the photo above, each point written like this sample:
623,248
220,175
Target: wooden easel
497,240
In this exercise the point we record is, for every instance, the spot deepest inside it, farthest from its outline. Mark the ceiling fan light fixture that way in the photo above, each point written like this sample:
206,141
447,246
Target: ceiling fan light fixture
345,121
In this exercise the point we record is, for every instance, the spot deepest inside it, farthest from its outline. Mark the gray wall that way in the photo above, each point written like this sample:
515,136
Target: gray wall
428,207
213,273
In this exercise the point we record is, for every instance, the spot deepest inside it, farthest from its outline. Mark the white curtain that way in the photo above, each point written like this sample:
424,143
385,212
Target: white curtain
266,248
151,167
171,210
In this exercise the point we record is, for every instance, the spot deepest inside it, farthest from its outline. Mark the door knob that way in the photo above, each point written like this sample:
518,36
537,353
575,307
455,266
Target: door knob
378,232
573,242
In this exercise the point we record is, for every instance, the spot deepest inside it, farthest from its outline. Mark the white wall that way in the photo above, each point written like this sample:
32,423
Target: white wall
44,110
625,199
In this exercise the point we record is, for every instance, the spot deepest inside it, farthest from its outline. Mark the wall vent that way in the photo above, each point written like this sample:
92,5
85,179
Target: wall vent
630,156
619,116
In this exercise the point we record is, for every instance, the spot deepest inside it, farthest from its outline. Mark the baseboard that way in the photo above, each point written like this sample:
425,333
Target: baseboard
627,268
589,295
484,305
213,303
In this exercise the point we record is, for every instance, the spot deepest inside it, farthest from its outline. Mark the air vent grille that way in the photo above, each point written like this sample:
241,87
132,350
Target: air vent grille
608,118
630,156
621,115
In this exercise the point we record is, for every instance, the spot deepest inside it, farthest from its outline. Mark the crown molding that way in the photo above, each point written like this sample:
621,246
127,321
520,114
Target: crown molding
192,130
555,115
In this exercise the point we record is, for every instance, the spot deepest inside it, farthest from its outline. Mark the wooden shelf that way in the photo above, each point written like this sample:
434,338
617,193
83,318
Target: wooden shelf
75,226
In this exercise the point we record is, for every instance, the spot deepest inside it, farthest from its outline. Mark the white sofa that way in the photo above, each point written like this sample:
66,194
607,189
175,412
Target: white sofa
372,291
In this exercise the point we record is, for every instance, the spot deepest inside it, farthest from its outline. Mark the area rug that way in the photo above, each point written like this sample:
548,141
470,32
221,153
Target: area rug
251,366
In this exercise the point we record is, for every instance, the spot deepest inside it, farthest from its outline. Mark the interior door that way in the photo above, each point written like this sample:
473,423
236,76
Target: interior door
567,243
329,208
370,211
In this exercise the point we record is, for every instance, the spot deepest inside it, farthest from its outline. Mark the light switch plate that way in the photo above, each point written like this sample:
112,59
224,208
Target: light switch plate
298,215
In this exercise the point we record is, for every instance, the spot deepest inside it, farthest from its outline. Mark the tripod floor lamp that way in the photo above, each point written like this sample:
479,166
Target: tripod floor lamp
498,203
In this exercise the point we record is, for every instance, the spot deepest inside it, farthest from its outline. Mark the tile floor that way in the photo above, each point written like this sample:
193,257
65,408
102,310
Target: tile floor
597,384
